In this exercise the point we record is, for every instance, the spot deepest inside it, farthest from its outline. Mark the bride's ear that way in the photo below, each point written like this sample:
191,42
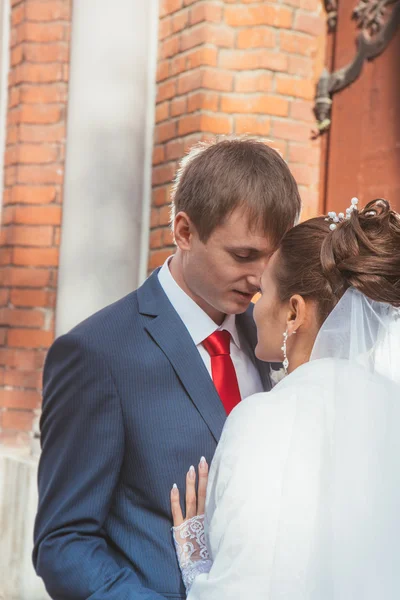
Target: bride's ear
297,313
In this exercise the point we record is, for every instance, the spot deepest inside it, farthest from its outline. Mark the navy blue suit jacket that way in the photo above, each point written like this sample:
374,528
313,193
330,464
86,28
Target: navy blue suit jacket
128,406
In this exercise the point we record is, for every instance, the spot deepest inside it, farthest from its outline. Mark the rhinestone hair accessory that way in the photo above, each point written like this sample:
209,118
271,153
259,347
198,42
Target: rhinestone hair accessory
339,218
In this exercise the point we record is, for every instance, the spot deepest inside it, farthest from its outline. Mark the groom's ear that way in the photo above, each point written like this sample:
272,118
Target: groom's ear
297,313
183,231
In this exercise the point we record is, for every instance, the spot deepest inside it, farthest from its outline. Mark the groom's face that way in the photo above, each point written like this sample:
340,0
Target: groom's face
223,273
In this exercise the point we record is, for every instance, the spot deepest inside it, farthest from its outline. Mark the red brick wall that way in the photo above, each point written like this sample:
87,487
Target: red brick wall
32,205
236,67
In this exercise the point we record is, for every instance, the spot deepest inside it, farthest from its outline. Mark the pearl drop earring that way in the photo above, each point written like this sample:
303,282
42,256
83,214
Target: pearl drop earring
286,335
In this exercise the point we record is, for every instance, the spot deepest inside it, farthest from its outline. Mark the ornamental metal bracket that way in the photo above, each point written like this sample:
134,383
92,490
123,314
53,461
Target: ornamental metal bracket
378,21
331,7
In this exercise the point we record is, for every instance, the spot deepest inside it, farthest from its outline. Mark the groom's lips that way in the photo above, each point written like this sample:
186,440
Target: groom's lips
245,295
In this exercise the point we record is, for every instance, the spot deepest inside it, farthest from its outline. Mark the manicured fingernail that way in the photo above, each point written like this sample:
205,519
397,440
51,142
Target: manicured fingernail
203,462
192,472
175,487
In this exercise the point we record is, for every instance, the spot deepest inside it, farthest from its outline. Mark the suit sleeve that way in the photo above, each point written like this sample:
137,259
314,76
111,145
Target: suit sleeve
82,434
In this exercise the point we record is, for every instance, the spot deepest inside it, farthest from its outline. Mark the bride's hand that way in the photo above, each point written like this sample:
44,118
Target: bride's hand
195,505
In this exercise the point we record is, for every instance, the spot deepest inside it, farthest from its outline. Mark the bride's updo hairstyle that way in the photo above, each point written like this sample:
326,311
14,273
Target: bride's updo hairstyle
363,251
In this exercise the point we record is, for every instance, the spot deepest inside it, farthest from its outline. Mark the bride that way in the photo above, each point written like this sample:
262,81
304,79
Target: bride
303,494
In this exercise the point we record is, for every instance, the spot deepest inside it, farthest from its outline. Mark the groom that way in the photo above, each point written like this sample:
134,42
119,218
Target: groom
140,391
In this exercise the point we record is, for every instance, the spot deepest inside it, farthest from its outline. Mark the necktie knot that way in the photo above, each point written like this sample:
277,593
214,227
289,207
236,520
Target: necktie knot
218,343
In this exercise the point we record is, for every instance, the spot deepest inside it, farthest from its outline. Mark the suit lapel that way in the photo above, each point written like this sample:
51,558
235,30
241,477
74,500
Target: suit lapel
170,334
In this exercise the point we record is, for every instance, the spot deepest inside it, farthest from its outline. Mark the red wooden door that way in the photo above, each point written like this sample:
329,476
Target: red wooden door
363,147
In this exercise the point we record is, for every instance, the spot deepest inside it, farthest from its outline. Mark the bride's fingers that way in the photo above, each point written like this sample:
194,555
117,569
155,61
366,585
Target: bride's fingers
176,507
191,500
202,491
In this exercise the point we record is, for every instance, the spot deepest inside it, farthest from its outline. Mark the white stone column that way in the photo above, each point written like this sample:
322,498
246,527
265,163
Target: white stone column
108,161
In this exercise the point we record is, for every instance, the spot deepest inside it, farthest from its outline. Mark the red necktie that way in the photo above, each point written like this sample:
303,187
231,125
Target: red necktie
223,372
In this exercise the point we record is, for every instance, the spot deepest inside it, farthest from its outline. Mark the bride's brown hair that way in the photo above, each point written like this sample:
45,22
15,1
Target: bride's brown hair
363,252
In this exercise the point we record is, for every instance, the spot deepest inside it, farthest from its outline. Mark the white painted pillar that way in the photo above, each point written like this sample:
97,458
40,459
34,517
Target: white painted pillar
104,235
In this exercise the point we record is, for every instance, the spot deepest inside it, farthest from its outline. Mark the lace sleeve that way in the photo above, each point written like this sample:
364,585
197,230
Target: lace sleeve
191,550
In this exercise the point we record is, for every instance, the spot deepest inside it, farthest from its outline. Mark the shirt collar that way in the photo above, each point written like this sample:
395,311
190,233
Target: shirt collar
197,322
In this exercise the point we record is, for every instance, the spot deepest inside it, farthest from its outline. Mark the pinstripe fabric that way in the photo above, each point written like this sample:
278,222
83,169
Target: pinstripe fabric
128,406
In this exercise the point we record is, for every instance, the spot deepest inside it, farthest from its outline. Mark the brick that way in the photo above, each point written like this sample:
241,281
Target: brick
178,64
162,112
37,257
17,55
207,33
29,338
190,81
155,239
163,174
44,94
27,379
168,237
154,217
216,124
21,318
252,125
245,16
40,32
38,73
168,7
47,11
299,88
170,47
214,79
22,359
179,21
248,60
158,258
32,153
158,155
257,37
312,24
189,124
178,106
44,113
18,420
164,28
291,131
38,133
202,56
46,53
304,153
166,91
4,295
165,131
206,11
26,194
33,298
302,173
301,66
38,215
297,43
162,70
174,150
203,101
302,110
160,196
32,174
255,104
164,215
36,278
18,15
259,82
30,235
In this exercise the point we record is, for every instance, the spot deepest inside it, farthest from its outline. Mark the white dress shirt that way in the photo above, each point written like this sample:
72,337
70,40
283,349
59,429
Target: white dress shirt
200,326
